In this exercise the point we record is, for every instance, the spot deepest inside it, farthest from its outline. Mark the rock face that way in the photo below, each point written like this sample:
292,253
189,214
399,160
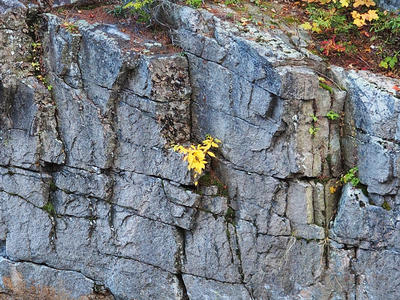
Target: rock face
95,205
390,4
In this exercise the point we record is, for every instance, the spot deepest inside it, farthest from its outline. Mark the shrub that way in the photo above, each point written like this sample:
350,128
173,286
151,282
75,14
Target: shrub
196,156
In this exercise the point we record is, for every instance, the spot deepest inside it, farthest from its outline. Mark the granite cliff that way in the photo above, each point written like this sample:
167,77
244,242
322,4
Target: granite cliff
95,205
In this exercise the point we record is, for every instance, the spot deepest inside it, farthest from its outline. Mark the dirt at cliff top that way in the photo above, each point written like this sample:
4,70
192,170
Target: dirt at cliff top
144,39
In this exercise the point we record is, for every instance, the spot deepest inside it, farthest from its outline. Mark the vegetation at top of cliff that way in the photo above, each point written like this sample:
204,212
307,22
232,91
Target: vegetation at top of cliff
356,30
349,33
140,9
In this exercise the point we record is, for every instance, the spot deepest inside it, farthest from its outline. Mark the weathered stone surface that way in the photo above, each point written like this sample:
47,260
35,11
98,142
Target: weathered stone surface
208,250
25,280
10,5
360,223
200,288
379,274
92,196
389,4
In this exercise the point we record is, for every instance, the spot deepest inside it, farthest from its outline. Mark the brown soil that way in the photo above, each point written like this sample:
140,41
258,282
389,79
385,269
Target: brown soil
138,32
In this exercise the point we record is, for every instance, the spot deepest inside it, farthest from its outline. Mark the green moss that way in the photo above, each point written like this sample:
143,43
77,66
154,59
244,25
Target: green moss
385,205
205,180
208,180
52,186
230,216
326,87
49,208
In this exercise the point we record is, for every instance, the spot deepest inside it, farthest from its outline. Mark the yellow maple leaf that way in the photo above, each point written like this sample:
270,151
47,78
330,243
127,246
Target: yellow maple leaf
332,189
367,3
371,15
344,3
306,26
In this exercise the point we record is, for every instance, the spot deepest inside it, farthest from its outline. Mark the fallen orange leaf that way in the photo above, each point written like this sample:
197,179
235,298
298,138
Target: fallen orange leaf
396,88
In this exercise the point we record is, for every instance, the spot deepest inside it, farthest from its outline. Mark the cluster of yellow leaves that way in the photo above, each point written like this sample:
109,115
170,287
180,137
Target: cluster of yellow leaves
360,19
313,27
196,156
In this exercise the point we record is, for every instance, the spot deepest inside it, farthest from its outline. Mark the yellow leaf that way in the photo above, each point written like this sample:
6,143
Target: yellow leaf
344,3
316,28
367,3
211,154
371,15
306,26
359,22
332,189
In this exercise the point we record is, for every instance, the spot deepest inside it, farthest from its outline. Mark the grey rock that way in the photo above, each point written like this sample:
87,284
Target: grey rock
152,283
28,280
29,186
156,199
10,5
358,221
300,203
200,288
389,4
371,263
208,251
92,194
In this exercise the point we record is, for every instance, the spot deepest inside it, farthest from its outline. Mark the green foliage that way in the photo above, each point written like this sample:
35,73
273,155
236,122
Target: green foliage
389,62
389,25
194,3
139,8
70,27
351,176
331,18
386,205
232,2
118,11
331,115
313,130
49,208
314,117
326,87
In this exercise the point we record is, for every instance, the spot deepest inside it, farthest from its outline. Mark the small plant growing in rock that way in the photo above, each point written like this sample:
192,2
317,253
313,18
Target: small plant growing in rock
331,115
70,27
196,155
350,176
314,117
313,130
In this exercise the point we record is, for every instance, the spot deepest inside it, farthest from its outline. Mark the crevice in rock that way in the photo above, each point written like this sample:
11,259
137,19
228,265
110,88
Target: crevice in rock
182,286
180,259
